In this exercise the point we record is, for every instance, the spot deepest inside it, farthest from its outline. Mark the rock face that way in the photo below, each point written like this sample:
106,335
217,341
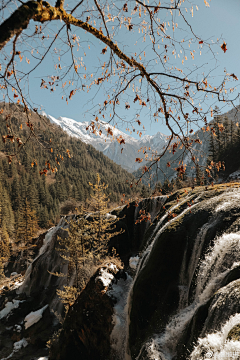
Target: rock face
39,276
17,341
187,278
88,326
17,262
36,292
132,240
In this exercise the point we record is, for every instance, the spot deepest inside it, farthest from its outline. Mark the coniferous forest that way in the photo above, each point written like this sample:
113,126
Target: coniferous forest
224,143
30,200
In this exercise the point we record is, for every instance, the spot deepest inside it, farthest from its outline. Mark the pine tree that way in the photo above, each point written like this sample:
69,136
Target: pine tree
87,240
178,183
74,193
212,149
43,217
217,134
199,176
15,194
226,126
76,247
27,225
32,195
232,132
4,244
7,214
101,221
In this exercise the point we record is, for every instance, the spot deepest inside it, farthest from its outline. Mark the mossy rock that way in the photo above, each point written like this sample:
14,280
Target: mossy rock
234,333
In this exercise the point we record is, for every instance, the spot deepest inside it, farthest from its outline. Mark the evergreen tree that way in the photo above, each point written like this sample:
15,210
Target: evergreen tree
7,214
27,224
87,240
232,132
76,247
199,176
226,132
4,244
43,217
15,194
32,196
145,191
101,221
212,148
74,193
178,183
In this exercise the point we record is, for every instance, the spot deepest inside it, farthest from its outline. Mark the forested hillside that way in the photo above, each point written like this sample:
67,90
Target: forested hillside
224,143
27,195
217,142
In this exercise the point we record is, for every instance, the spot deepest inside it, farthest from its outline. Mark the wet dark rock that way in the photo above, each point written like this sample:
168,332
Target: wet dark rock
88,325
226,302
121,274
155,294
131,241
12,329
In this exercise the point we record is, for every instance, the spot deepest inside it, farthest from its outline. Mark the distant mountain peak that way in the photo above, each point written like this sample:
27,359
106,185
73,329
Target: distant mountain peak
104,137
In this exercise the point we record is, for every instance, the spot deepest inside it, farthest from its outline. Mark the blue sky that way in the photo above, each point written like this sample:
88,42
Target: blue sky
221,19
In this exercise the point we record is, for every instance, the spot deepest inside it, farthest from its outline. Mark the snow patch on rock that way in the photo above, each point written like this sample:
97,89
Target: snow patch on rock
133,261
34,316
106,276
16,347
9,307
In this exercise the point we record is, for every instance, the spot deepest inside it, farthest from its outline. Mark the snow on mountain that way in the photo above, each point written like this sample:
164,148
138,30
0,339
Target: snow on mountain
109,140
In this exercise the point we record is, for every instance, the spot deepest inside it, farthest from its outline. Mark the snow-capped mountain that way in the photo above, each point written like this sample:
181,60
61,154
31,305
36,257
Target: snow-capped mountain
111,141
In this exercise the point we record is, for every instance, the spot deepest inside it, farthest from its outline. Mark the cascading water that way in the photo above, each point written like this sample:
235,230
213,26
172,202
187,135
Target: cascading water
212,272
207,264
218,346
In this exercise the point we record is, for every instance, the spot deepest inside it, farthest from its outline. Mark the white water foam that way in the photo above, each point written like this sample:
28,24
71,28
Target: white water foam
119,292
228,200
217,346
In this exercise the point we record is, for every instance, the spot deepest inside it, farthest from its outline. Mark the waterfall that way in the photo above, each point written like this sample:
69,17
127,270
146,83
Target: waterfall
187,271
156,233
204,276
217,346
221,259
119,293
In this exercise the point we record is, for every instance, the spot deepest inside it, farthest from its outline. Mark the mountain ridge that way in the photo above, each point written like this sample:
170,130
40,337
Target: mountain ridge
122,148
